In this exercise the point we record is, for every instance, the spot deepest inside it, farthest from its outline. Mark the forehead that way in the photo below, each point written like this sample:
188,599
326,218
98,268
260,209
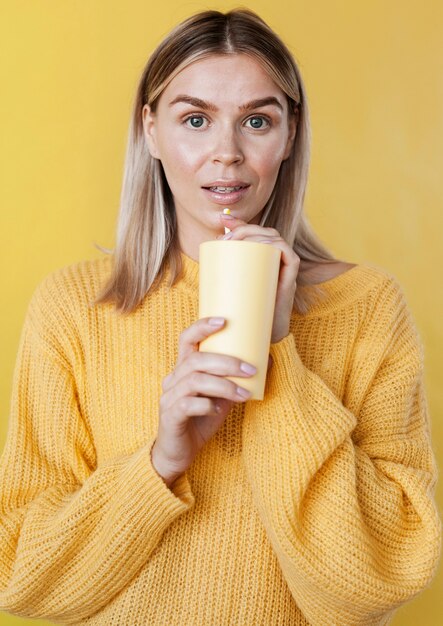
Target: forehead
227,78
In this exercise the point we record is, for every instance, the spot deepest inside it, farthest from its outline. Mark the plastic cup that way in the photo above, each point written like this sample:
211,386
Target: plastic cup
238,281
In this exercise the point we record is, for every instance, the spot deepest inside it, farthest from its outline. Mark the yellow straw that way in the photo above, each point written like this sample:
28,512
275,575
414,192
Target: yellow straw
227,212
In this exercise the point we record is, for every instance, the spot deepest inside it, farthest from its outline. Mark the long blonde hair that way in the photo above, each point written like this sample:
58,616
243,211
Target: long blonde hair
147,228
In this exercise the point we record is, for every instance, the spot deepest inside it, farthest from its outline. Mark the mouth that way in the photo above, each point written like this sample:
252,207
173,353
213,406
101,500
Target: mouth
222,193
219,189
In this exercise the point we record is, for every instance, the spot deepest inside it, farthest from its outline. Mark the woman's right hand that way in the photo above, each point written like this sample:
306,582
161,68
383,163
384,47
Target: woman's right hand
195,401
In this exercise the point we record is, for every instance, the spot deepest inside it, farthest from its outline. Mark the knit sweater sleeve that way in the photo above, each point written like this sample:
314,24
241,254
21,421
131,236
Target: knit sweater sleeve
344,488
72,533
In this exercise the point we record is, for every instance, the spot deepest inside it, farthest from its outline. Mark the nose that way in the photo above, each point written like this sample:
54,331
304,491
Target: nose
227,149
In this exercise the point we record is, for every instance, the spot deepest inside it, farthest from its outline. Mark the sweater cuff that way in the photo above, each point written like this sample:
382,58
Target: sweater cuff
150,488
180,488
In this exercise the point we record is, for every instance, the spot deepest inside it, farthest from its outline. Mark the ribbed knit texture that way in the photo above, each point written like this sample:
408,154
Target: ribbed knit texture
314,506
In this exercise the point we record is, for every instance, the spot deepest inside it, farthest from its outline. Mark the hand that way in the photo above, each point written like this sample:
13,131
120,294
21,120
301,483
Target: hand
195,401
287,279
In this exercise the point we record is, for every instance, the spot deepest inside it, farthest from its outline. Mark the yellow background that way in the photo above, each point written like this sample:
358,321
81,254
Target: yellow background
373,72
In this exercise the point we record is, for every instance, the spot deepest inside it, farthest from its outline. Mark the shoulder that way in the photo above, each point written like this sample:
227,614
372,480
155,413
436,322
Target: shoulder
61,308
77,282
68,293
370,304
355,287
388,323
384,290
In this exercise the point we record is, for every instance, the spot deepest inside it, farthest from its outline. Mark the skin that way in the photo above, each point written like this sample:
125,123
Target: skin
225,145
198,143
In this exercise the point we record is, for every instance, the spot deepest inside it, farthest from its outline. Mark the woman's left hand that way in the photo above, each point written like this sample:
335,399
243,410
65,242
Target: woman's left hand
289,266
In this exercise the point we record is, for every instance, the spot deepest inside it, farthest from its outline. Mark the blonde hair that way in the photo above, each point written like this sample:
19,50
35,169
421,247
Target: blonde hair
147,228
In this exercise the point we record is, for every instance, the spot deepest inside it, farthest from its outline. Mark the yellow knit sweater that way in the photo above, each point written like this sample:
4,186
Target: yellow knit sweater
314,506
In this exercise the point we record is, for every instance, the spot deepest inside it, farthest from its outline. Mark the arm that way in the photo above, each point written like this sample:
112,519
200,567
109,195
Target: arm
345,493
72,535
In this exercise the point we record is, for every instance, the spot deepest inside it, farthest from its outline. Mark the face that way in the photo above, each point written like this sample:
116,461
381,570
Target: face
221,130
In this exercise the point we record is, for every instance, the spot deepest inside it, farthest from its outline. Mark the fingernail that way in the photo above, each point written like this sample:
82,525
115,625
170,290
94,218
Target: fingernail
248,369
228,235
226,216
216,321
244,393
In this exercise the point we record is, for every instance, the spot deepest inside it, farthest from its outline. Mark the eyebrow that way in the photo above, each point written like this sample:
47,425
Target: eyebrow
208,106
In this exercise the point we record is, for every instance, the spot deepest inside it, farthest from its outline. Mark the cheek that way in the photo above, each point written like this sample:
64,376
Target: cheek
181,162
180,158
267,156
267,165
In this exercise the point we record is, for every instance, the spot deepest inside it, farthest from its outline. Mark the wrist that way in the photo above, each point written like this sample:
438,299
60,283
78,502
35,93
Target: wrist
168,477
278,339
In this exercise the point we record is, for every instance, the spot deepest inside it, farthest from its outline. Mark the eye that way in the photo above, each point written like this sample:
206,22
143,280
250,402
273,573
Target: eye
195,121
258,122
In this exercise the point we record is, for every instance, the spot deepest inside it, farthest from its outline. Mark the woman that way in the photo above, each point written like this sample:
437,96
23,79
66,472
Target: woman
139,485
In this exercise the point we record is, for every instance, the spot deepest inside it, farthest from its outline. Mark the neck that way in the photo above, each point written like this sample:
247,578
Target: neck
190,236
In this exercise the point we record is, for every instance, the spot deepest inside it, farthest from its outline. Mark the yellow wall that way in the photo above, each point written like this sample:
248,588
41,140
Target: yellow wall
373,74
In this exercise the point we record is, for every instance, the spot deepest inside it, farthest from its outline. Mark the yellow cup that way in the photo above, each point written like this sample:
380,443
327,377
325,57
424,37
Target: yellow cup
238,281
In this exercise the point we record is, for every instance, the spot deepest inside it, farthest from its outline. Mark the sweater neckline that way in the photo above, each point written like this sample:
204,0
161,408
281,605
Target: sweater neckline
190,272
341,289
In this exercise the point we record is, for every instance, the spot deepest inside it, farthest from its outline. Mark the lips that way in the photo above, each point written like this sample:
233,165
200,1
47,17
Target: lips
225,194
226,186
219,189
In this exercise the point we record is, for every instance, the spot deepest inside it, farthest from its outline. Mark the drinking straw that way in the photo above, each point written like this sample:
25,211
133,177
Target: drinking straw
227,212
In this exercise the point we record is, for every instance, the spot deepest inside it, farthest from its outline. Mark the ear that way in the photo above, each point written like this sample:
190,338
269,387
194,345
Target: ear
149,129
293,123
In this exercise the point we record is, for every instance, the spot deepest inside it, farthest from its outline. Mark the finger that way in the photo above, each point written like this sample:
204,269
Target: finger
230,220
167,382
191,336
223,406
289,263
191,406
211,363
250,236
243,230
200,383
